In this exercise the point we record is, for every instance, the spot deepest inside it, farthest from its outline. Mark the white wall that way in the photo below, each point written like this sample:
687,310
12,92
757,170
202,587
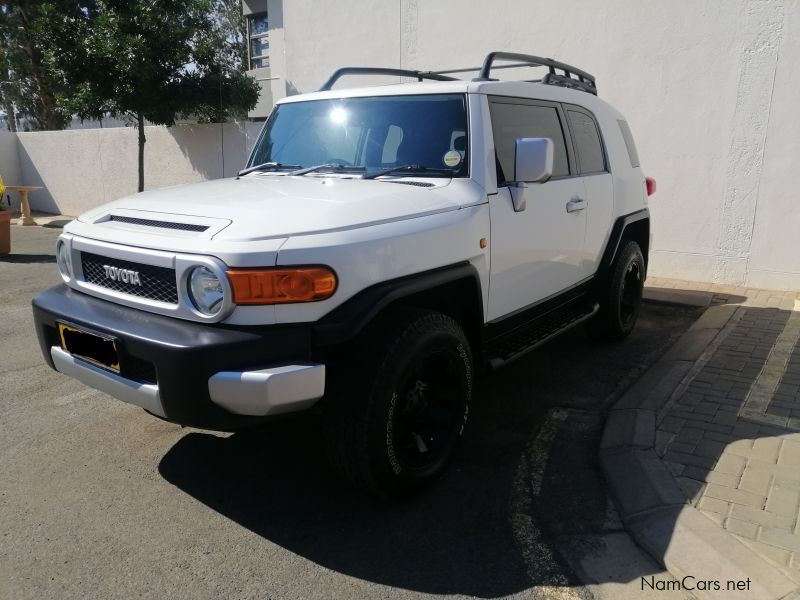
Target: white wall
80,169
710,90
9,159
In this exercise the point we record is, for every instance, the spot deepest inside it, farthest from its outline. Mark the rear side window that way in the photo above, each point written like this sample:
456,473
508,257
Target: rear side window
628,137
587,142
513,121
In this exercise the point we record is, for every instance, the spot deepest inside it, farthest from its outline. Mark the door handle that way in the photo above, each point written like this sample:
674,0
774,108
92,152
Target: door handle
576,204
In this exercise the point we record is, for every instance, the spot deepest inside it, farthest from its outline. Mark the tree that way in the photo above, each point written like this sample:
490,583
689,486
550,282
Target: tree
26,84
230,32
150,60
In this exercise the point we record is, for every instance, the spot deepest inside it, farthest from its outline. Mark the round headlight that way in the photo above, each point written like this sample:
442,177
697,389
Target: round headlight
64,260
206,291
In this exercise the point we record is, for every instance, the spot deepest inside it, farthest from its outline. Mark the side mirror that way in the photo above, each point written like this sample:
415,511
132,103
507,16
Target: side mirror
533,163
533,160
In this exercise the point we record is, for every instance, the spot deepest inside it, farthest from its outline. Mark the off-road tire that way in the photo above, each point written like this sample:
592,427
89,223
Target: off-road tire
620,295
373,411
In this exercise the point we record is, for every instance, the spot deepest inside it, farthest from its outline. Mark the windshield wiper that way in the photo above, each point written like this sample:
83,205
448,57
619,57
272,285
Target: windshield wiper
267,166
410,170
334,167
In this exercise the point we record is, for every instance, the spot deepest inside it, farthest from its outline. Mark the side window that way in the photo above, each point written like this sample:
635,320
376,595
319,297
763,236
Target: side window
512,121
628,137
587,142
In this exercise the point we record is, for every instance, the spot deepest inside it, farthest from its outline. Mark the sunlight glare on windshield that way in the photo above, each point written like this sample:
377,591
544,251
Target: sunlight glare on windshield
338,115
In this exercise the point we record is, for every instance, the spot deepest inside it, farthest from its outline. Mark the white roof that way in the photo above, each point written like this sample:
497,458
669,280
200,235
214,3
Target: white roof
519,89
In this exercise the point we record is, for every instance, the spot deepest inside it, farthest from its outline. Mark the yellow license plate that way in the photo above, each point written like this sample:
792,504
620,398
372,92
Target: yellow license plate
98,349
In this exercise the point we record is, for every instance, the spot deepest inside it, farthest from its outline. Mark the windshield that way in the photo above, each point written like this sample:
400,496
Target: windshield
426,134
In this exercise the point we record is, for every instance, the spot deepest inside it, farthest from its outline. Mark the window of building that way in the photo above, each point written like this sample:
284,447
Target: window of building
587,142
513,121
258,40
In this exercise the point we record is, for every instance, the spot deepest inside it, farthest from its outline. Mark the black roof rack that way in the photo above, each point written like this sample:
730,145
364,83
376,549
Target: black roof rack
572,77
419,75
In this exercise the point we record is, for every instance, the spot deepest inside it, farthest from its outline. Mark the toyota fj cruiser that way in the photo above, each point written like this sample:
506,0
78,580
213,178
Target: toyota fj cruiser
383,246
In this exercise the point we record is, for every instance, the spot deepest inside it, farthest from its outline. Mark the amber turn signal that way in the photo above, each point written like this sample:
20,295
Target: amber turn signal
281,286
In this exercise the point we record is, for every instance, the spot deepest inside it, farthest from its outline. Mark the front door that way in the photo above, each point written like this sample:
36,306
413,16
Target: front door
538,252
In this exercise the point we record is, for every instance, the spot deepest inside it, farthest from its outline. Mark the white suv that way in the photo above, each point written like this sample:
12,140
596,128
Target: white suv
384,246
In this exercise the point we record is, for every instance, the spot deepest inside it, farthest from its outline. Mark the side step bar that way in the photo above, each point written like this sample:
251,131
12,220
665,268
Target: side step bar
532,335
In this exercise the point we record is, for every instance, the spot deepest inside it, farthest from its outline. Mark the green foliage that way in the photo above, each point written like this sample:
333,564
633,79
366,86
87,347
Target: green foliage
160,59
26,84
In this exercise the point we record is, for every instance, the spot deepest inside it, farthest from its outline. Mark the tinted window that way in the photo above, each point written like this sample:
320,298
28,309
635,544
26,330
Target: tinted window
628,137
587,142
513,121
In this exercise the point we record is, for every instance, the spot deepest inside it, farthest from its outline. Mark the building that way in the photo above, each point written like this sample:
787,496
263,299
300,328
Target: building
709,89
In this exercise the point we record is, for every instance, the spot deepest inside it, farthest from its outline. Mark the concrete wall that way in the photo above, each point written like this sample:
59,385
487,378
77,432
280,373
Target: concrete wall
709,88
9,159
80,169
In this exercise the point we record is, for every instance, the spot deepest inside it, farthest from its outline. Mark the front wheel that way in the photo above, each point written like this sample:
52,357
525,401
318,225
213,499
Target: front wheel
395,419
620,296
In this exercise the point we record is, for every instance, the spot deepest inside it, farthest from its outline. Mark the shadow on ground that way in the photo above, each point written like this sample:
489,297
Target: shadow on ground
472,533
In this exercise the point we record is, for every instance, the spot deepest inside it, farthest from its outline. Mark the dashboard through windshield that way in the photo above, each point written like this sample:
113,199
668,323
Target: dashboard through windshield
424,135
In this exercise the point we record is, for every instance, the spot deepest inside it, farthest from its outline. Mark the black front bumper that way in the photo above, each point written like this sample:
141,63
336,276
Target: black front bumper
180,356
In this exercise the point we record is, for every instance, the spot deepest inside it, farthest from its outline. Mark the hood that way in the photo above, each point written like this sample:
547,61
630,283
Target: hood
259,207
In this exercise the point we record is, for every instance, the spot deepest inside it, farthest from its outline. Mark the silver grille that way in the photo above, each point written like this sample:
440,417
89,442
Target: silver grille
157,283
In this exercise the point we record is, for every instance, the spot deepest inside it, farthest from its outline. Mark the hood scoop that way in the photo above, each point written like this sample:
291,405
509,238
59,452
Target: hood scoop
162,224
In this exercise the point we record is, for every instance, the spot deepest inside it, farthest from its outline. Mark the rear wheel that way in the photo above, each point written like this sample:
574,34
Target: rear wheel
397,411
620,295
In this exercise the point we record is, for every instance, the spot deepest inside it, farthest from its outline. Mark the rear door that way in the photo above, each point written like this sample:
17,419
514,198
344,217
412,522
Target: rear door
593,168
536,253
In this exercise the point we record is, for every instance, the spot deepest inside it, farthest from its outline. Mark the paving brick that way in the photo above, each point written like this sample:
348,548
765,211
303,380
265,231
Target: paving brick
780,538
767,431
783,501
693,419
692,396
691,488
756,479
766,449
681,447
671,424
731,481
716,427
763,518
743,429
716,517
707,408
714,505
730,464
689,459
741,528
675,468
739,447
787,483
709,448
734,495
725,418
689,435
790,453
